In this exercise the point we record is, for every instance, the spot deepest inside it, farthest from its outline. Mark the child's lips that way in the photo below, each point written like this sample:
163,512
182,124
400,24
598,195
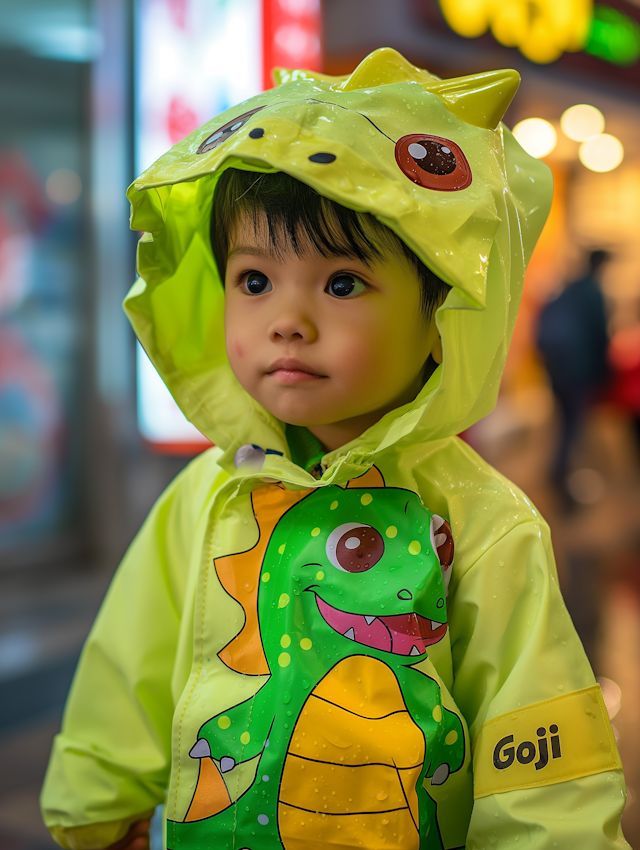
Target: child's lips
293,376
290,371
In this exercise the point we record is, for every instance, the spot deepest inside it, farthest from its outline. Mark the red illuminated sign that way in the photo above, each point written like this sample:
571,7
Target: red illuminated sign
291,36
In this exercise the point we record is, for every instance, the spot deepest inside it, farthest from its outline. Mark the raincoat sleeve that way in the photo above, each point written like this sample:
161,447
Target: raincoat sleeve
110,763
521,675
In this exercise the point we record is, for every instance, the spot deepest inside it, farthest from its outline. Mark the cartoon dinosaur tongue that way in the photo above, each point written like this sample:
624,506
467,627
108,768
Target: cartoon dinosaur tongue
401,634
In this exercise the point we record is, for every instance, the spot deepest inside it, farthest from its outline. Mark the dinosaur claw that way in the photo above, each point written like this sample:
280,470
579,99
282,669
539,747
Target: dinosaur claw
227,764
200,749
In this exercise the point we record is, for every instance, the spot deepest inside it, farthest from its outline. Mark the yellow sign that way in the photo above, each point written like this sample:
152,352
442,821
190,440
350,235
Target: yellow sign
541,29
552,741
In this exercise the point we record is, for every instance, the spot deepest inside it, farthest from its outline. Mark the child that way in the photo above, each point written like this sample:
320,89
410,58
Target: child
287,646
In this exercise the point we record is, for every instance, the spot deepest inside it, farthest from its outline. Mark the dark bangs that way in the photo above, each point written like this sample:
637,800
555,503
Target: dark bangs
299,220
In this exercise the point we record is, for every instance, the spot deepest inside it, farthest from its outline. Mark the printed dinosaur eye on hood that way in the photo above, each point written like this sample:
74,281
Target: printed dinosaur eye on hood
428,157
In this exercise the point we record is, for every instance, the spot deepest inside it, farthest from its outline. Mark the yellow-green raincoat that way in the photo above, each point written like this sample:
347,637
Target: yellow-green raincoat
290,656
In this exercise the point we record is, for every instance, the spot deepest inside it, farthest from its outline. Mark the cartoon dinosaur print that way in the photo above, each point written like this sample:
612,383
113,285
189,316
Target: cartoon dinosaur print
340,745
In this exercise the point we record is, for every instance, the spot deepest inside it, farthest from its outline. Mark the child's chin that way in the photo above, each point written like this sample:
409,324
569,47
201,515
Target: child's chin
294,411
307,410
305,418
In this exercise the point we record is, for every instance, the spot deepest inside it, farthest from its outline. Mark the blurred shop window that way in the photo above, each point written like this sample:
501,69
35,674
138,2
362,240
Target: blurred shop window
193,60
43,73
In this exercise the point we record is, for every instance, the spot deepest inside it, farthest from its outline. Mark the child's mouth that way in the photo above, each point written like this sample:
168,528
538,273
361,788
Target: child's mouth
290,371
401,634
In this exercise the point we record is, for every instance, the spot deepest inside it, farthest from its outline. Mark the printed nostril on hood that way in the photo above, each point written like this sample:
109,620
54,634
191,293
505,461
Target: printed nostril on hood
405,594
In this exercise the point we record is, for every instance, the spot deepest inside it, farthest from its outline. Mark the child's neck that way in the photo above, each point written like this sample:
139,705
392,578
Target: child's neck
338,434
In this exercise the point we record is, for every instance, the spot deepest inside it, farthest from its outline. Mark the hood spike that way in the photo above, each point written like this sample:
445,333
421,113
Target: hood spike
384,67
479,99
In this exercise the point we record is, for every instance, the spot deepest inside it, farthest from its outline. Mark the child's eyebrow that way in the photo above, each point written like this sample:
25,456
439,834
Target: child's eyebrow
251,250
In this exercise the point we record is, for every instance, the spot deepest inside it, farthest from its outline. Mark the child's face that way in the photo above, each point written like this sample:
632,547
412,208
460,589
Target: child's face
328,343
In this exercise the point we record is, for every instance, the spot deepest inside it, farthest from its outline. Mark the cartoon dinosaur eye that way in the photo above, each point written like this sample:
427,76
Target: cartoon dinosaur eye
433,162
222,133
354,548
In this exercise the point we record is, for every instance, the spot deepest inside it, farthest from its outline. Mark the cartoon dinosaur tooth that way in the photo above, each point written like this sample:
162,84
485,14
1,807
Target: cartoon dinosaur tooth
345,736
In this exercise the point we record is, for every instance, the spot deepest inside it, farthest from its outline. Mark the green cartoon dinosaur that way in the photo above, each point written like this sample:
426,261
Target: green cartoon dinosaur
344,739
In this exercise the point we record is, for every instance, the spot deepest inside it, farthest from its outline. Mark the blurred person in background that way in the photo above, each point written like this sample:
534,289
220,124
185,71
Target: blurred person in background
573,341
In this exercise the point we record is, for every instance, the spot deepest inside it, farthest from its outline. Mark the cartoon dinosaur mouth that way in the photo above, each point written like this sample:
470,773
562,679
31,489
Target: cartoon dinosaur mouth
401,634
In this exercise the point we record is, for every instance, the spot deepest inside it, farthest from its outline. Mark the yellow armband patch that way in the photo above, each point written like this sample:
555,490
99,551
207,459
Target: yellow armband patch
552,741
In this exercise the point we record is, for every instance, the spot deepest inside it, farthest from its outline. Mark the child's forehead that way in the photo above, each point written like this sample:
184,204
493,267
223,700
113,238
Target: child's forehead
252,233
257,246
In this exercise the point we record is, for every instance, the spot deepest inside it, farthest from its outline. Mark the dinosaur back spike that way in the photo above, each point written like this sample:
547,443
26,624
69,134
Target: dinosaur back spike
383,67
479,99
239,574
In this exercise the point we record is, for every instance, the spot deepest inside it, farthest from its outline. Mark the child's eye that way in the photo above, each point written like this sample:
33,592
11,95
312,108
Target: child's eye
345,285
257,283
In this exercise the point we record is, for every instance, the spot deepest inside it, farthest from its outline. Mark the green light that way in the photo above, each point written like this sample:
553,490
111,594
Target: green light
614,37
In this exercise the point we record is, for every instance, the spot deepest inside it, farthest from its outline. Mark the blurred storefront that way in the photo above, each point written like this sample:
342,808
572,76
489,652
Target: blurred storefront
44,271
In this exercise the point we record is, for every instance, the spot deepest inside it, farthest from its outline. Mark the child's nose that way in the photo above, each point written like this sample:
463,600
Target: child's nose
294,325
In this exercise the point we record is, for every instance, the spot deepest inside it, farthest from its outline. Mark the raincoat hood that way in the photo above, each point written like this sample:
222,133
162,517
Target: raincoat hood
427,157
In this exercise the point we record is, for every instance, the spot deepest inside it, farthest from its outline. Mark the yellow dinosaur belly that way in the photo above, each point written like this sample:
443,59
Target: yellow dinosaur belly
354,759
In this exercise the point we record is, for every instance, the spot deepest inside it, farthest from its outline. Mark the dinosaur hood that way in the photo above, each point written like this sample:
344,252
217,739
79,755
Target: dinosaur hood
429,158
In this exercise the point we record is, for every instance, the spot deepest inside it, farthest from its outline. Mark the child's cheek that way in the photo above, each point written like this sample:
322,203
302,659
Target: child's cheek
361,364
358,347
237,348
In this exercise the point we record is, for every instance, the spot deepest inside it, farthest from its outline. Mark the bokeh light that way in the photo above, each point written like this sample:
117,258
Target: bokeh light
582,121
63,186
537,136
601,153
